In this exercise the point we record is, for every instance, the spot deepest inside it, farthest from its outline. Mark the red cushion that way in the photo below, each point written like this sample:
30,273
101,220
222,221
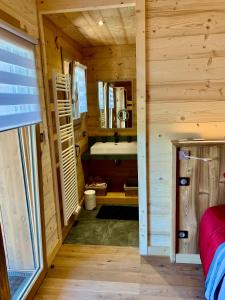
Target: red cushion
211,235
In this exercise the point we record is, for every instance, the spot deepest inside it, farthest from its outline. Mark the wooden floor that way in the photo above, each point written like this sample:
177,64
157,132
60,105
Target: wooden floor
106,272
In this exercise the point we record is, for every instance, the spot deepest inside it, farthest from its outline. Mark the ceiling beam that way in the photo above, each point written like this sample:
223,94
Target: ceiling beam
63,6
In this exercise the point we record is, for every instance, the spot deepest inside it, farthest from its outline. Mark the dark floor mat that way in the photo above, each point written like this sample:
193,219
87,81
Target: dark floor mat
89,230
118,212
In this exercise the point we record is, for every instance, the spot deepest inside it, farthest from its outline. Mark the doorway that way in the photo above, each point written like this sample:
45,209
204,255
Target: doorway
61,13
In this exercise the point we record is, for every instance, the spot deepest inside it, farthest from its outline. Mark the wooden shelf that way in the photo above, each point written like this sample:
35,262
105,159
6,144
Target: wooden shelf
117,198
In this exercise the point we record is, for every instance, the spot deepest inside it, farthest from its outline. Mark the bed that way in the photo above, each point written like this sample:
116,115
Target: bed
212,251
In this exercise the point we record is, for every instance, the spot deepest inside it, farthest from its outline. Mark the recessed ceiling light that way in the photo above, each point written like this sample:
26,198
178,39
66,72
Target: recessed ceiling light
100,23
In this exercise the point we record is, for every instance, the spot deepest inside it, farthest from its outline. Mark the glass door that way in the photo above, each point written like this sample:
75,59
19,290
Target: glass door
20,209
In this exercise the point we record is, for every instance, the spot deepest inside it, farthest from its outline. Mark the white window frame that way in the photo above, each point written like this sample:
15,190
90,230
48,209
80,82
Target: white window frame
75,100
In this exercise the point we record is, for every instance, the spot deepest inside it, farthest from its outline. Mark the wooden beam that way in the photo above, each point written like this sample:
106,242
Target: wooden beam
63,6
141,126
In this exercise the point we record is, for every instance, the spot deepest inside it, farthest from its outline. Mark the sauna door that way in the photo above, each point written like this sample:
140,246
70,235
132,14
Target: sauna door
205,187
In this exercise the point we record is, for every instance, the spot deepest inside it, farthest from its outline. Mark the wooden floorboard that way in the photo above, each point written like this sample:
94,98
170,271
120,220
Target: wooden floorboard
108,272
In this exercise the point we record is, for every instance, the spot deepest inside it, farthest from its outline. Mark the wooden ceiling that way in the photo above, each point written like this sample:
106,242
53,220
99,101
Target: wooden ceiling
118,26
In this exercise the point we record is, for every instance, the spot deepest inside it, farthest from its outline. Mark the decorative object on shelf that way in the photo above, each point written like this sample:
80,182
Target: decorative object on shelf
98,184
131,187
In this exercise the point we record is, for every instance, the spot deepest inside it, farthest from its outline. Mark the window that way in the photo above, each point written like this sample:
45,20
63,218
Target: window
20,109
79,90
19,99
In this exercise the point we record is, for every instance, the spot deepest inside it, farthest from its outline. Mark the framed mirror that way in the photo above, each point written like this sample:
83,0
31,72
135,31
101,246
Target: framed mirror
115,103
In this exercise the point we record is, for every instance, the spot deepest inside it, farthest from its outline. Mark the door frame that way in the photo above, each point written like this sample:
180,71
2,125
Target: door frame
62,6
43,273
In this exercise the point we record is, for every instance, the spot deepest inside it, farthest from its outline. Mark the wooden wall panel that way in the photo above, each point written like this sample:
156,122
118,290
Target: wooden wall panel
55,40
26,14
185,90
108,63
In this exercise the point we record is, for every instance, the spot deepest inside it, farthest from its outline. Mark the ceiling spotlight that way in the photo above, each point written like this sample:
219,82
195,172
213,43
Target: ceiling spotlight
100,23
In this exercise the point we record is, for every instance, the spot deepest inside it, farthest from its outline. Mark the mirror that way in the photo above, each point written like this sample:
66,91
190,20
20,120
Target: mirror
115,101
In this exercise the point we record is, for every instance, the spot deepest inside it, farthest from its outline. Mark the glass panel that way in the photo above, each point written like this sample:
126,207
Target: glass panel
19,209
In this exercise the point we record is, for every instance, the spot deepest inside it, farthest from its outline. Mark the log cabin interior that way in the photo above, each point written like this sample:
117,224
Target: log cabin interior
112,149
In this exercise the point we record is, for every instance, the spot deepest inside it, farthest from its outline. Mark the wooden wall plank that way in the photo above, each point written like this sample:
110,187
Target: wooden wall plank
186,70
182,6
186,112
191,46
171,24
183,91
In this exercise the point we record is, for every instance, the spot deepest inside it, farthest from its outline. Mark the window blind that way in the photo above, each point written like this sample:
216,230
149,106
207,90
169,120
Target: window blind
19,97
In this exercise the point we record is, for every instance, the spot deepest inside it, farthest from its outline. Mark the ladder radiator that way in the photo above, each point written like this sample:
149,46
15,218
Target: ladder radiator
66,146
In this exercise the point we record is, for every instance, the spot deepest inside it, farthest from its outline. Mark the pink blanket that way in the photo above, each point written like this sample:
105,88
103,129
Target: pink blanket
211,235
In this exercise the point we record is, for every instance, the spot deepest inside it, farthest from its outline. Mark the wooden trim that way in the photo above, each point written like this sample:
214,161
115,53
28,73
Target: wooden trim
48,106
41,194
158,251
188,259
41,277
197,142
173,205
52,255
4,283
63,6
141,126
18,32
